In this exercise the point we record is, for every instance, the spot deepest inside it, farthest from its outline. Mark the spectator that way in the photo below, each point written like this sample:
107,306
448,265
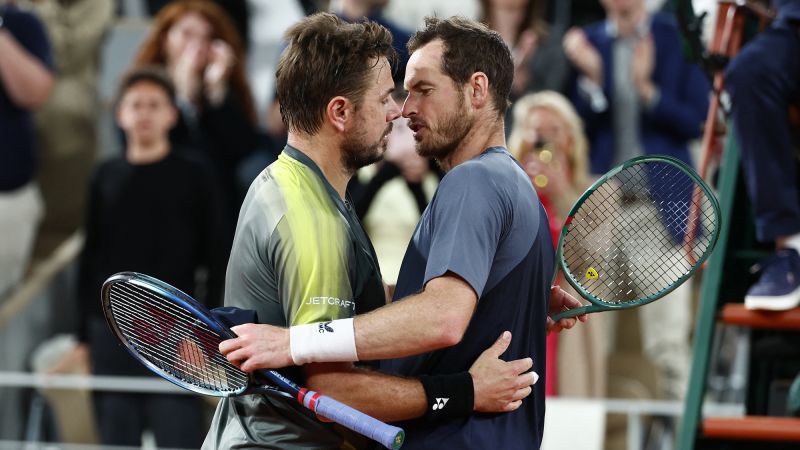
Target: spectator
411,15
238,11
268,22
199,47
639,96
539,61
26,81
66,125
128,195
763,80
547,138
352,10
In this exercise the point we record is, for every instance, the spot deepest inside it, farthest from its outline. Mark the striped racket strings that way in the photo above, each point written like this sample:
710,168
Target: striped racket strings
632,238
170,338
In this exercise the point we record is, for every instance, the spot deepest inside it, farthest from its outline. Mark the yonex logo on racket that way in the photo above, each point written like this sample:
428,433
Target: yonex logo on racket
439,404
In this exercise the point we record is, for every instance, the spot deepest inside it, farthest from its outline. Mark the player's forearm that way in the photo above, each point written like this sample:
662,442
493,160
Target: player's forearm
434,319
381,396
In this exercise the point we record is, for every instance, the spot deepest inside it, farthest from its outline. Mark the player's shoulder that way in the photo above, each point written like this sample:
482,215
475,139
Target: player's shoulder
494,167
289,190
300,186
491,160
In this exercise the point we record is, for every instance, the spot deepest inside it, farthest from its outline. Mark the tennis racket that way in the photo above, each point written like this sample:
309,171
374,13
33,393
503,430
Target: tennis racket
177,338
636,234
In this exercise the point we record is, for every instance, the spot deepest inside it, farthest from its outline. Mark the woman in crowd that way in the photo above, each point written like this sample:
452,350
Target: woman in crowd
539,61
200,48
547,138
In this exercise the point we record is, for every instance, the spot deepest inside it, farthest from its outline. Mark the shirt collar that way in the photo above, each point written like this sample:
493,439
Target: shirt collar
302,158
641,30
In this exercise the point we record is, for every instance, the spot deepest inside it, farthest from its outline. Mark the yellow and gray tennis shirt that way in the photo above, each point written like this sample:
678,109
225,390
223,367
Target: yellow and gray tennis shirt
299,256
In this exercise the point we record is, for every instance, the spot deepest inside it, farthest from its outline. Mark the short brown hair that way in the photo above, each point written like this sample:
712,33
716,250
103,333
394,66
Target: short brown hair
148,73
326,57
470,47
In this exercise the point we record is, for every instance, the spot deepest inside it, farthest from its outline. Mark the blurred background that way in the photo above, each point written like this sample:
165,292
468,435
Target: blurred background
626,379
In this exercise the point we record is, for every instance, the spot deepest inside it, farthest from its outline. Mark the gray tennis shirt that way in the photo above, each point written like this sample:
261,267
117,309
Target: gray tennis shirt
299,256
486,225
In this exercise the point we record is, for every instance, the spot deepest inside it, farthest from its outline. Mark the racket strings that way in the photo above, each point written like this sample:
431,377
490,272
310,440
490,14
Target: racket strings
188,365
632,237
690,214
187,362
172,339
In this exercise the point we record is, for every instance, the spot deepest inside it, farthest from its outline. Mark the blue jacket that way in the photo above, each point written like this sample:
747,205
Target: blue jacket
672,122
788,10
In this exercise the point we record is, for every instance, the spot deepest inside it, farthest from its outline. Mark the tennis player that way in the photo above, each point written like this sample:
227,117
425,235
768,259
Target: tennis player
479,262
300,255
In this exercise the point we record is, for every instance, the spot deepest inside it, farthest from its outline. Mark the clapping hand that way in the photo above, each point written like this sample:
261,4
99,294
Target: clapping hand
215,76
583,55
186,72
642,68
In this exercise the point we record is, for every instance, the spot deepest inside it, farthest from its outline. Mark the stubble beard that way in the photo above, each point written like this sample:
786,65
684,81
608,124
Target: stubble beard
443,141
357,154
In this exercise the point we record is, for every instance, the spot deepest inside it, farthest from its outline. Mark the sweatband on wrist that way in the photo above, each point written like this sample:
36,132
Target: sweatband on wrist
323,342
449,396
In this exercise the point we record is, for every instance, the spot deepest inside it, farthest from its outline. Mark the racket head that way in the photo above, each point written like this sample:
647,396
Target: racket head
589,252
171,334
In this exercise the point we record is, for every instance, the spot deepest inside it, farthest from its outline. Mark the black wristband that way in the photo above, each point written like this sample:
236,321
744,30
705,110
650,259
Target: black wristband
449,396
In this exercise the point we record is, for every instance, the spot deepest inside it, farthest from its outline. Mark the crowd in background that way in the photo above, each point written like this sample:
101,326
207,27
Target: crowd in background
595,83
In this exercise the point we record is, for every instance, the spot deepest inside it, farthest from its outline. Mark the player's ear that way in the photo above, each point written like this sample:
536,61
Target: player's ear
339,112
478,90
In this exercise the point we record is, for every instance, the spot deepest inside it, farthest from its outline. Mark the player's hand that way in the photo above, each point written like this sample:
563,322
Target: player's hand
258,346
561,300
500,386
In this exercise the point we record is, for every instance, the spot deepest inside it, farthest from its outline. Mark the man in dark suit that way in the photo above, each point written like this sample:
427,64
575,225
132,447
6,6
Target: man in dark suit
639,96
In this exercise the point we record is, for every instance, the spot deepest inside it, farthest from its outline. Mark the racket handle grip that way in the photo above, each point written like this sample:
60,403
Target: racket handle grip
580,310
389,436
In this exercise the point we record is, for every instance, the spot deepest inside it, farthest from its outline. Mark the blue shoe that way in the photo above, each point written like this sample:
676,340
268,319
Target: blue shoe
778,289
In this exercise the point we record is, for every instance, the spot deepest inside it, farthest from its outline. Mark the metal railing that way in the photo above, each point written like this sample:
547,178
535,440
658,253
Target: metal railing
635,410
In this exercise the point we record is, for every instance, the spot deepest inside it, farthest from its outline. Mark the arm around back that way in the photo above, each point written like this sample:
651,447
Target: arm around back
433,319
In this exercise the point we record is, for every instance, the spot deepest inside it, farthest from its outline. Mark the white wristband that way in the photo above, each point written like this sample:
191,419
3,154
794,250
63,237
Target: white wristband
323,342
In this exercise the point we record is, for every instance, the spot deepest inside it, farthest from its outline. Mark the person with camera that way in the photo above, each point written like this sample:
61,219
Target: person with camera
548,140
